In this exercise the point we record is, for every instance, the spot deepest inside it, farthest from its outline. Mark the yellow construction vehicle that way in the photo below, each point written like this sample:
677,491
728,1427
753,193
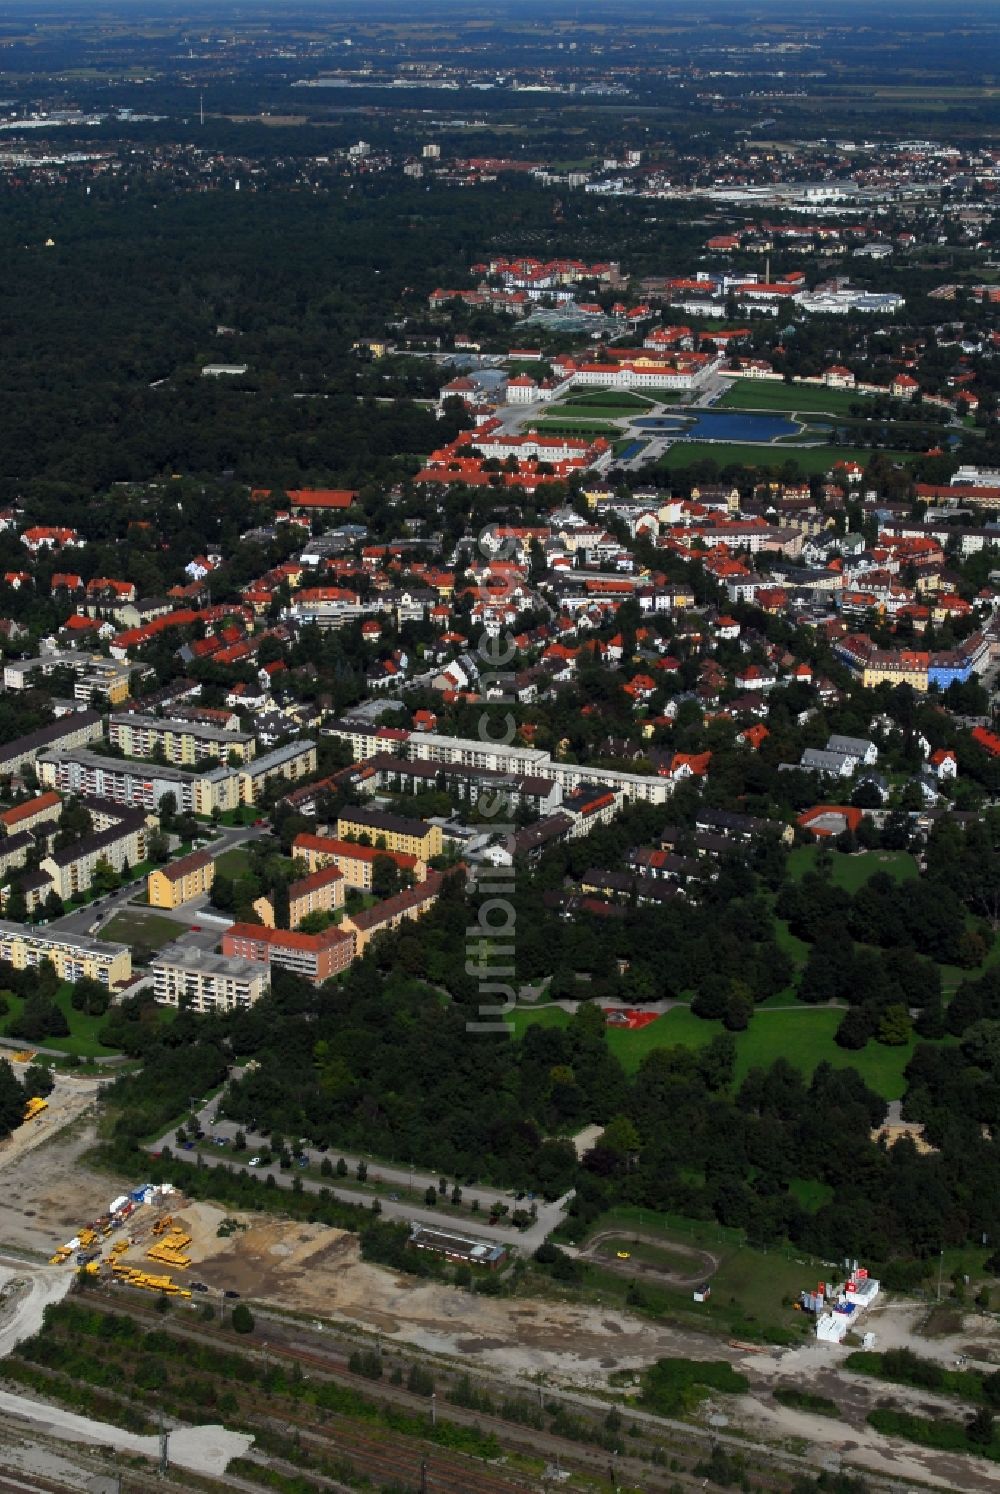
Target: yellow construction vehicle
34,1107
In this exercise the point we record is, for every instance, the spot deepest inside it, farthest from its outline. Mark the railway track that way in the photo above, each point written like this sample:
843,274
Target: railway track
31,1483
444,1472
769,1468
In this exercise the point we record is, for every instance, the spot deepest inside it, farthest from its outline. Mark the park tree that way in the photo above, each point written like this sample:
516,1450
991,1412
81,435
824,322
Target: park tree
894,1026
90,996
385,876
11,1099
38,1081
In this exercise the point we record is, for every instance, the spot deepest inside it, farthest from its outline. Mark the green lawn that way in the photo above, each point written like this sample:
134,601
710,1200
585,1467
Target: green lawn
245,815
234,863
803,1036
136,927
810,1193
809,458
797,948
851,872
82,1039
576,409
618,399
573,412
562,427
751,1289
762,394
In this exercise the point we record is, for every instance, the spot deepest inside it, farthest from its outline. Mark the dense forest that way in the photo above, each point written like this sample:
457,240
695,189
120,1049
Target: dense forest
106,329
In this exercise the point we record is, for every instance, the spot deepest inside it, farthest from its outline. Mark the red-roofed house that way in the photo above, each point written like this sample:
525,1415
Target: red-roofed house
944,764
829,819
687,765
42,537
903,386
988,740
754,736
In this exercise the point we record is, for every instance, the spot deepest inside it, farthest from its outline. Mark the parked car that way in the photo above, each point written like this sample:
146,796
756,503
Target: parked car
254,1162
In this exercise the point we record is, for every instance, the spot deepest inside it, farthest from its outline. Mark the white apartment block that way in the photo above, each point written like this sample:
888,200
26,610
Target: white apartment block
203,982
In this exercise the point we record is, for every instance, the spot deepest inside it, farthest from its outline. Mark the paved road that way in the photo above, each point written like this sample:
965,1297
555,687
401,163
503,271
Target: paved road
527,1241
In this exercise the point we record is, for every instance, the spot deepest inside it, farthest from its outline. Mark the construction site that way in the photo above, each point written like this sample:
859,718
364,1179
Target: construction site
150,1255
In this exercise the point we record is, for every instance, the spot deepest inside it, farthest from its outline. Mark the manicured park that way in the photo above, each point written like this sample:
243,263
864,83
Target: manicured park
763,394
781,1027
586,429
852,872
802,1035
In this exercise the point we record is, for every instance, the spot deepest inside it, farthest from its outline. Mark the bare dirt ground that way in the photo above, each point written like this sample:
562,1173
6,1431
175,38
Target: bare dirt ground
47,1192
311,1269
203,1449
25,1292
818,1368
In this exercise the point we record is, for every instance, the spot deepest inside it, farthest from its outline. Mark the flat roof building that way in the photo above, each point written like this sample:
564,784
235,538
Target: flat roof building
73,955
139,785
182,743
204,982
465,1249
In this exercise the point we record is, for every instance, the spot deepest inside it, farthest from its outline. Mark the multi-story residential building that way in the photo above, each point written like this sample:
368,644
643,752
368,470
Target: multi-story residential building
392,832
94,674
182,743
355,862
512,790
72,869
367,740
43,808
534,761
204,982
74,730
14,851
316,957
387,915
140,786
73,955
181,881
328,606
297,760
321,892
